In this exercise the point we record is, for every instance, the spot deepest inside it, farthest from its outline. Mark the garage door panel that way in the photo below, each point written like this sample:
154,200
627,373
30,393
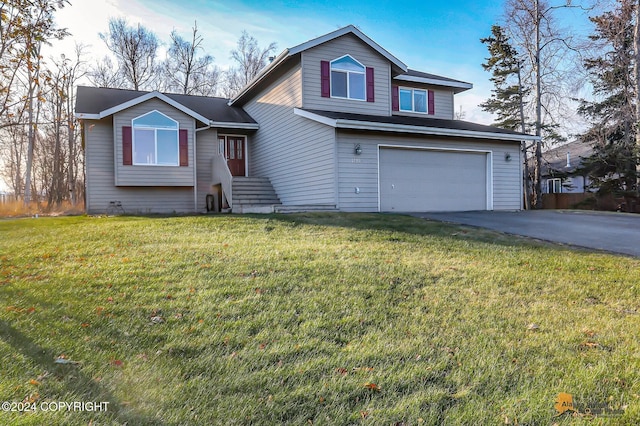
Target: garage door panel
430,180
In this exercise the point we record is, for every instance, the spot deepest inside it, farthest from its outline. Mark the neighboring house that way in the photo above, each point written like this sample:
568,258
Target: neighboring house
336,123
559,166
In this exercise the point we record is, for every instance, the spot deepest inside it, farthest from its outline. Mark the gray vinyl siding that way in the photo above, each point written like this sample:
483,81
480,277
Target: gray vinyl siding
298,155
206,148
152,175
442,99
347,44
361,171
100,189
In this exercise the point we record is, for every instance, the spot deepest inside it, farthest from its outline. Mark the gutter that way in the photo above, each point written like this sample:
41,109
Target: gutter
233,125
435,82
341,123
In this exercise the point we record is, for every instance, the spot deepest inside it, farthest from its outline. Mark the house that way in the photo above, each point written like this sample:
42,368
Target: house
559,168
335,123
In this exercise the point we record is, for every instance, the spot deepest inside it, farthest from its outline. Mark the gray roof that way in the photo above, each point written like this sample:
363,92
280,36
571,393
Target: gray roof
437,123
556,158
94,100
432,79
421,74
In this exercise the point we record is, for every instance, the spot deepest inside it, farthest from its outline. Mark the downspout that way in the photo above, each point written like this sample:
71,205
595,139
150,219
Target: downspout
195,167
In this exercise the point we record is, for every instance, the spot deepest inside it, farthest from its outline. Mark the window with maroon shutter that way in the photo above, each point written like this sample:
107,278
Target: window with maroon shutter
127,148
395,98
370,85
156,141
432,103
325,79
184,148
347,79
413,100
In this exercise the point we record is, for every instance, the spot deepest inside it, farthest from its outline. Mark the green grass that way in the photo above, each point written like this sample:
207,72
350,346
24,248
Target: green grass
323,319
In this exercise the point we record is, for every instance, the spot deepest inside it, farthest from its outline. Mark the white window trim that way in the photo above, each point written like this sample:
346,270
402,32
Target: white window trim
551,182
155,137
413,107
364,73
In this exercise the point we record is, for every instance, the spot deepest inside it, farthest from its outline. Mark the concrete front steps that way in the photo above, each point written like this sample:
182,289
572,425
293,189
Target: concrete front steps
256,195
253,195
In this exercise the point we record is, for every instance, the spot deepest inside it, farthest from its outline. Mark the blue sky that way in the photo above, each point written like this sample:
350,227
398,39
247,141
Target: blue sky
432,36
438,37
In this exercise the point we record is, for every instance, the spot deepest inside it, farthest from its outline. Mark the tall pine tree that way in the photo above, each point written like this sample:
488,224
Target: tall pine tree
507,97
612,167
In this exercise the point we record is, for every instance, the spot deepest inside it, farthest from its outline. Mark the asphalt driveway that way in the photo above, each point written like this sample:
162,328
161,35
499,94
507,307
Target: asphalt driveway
609,231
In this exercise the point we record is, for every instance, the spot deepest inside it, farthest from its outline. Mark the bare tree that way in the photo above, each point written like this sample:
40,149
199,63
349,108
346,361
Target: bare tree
636,81
188,72
59,150
12,151
135,49
74,71
23,25
249,59
548,64
40,27
12,35
105,74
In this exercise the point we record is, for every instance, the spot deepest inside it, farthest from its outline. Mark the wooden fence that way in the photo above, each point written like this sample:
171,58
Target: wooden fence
586,201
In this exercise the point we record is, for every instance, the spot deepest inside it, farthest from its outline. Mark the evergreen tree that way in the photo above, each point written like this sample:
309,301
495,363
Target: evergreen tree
612,167
507,97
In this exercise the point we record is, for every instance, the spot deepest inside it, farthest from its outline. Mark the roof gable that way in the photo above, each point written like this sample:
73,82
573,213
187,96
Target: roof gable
349,29
289,53
129,99
99,102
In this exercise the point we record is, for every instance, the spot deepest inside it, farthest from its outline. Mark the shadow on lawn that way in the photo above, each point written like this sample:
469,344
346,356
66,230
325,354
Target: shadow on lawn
76,383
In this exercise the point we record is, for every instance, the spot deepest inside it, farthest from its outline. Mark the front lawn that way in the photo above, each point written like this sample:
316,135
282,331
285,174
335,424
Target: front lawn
323,319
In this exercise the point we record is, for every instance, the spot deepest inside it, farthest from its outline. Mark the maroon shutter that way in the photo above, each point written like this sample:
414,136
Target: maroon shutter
370,85
325,79
395,99
184,148
432,104
127,148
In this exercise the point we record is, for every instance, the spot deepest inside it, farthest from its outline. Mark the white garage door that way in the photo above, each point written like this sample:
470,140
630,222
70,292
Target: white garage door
414,180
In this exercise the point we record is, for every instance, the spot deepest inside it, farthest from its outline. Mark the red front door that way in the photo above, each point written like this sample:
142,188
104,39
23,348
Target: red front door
235,153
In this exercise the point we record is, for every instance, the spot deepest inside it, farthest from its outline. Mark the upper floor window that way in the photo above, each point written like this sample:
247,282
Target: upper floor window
413,100
408,99
155,140
348,78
